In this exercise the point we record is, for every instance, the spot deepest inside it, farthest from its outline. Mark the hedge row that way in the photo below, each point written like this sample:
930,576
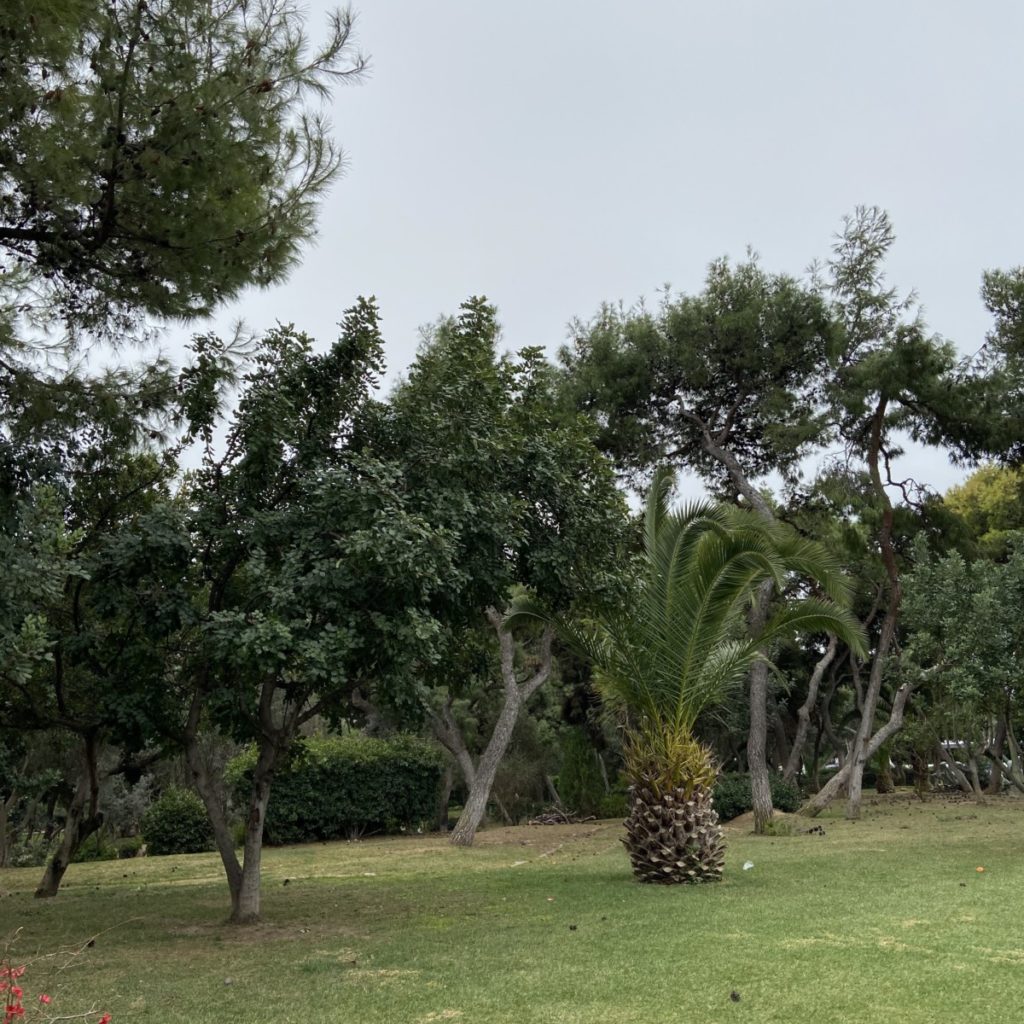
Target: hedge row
732,795
341,787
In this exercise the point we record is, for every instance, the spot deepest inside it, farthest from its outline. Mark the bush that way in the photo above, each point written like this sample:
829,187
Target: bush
177,823
128,847
613,805
339,788
96,847
732,795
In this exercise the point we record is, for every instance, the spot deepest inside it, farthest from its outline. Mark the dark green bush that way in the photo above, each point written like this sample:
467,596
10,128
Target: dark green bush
96,847
128,846
338,788
732,795
177,823
613,805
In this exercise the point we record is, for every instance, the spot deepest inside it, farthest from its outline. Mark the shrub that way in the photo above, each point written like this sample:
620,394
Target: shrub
128,847
341,787
96,847
613,805
732,795
177,823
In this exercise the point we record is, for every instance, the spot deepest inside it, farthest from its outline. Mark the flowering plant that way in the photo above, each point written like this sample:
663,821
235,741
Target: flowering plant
19,1007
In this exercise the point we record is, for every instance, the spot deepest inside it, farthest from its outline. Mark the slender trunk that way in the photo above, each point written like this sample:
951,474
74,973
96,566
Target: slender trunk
83,819
243,877
516,696
486,768
803,714
757,737
995,756
959,778
972,767
817,803
862,749
245,903
1016,771
757,762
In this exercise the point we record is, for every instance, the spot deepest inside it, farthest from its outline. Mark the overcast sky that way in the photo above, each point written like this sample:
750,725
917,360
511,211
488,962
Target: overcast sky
554,155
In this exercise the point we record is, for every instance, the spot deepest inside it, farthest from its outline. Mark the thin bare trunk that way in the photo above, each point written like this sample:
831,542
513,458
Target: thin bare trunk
803,715
516,696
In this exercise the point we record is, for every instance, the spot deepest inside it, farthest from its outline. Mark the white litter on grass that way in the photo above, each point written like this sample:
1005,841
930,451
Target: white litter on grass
747,865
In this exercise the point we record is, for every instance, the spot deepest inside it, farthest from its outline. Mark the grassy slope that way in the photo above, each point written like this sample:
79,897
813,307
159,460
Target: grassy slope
883,919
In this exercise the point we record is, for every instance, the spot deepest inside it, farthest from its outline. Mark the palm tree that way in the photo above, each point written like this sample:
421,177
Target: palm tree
679,648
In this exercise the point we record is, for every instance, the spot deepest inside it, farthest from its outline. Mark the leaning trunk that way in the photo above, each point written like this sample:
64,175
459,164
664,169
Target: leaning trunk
516,695
803,715
486,769
83,820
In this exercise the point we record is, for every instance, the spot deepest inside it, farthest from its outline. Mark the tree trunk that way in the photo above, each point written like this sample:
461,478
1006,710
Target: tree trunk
1016,771
245,901
803,714
995,756
516,695
758,736
963,783
243,877
817,803
972,767
82,820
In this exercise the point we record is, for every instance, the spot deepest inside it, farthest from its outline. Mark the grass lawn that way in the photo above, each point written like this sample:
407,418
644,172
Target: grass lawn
885,919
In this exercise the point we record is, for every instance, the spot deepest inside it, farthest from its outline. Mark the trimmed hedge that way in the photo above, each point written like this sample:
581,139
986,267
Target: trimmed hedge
732,795
341,787
177,823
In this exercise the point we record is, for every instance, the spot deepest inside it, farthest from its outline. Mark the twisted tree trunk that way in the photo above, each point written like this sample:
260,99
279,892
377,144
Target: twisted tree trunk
516,694
803,714
83,819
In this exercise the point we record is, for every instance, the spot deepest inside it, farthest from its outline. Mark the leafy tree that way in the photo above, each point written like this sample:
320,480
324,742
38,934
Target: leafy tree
157,157
312,572
991,503
493,462
678,647
965,632
728,382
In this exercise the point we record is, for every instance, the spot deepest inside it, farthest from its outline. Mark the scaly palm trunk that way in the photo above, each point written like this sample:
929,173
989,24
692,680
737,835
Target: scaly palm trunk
674,838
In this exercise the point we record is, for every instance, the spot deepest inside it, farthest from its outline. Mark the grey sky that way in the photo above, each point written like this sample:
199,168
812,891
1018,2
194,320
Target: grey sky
553,155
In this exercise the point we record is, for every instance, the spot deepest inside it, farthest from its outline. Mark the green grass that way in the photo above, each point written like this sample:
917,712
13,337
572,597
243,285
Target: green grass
882,919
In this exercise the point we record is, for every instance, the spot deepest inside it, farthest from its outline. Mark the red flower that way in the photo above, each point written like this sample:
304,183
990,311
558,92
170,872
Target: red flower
45,999
105,1019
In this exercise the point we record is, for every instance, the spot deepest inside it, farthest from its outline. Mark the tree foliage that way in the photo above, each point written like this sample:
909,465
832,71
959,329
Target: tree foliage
157,156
